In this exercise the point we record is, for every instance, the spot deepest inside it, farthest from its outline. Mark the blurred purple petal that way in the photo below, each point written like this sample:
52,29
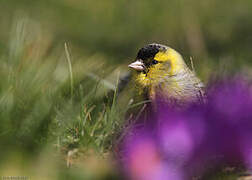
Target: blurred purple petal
144,161
181,144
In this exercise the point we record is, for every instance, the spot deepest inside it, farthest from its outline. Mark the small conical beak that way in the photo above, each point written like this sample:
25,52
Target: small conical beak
137,65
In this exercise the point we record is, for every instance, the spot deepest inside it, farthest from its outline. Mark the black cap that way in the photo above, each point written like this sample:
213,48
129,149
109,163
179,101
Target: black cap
150,50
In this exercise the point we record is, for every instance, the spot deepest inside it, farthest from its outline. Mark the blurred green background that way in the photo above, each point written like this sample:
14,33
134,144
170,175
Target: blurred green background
51,113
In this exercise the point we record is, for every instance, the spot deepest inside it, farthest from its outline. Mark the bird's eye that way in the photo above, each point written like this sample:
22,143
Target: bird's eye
154,61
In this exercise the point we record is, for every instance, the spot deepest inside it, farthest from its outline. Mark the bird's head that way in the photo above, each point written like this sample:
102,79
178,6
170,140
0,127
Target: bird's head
156,61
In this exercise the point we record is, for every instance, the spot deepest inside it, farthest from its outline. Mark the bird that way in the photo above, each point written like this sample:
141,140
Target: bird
160,72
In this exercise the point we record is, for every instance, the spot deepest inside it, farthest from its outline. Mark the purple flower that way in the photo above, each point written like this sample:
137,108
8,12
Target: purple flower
180,144
144,161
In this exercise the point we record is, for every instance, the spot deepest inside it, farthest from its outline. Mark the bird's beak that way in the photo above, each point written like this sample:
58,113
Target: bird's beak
137,65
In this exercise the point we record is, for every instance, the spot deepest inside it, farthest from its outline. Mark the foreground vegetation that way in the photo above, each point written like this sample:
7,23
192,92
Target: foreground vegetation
53,108
59,61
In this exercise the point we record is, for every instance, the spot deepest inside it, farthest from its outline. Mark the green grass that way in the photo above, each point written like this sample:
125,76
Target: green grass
51,107
59,60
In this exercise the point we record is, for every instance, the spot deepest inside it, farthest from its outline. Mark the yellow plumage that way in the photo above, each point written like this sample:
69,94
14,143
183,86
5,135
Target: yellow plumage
161,71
